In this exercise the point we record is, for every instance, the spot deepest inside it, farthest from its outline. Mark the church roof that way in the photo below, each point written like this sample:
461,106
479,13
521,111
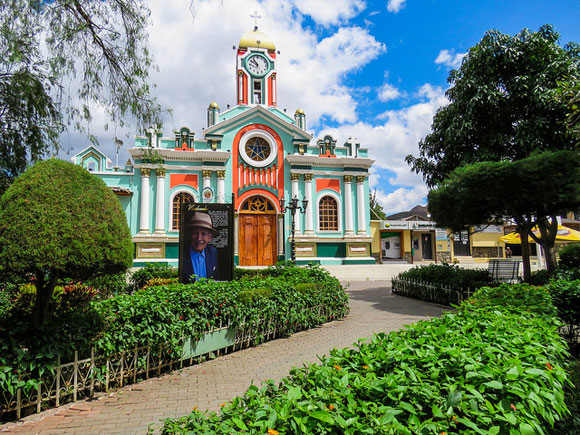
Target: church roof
256,39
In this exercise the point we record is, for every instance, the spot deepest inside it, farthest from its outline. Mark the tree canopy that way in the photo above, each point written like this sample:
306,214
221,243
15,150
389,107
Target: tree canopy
504,107
57,220
59,61
502,104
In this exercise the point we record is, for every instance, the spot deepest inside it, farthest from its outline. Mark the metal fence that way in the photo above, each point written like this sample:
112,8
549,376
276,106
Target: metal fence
430,292
83,377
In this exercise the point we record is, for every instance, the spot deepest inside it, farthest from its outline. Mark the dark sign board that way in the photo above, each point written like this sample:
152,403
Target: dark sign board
206,241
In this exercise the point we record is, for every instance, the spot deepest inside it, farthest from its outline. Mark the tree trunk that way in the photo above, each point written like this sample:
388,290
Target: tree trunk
44,290
523,230
548,232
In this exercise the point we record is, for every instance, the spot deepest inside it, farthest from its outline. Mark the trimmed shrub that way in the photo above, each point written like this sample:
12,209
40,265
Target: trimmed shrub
566,297
462,373
570,256
151,270
449,275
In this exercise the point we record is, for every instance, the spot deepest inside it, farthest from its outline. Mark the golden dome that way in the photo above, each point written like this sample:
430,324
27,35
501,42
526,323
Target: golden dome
213,105
257,39
299,112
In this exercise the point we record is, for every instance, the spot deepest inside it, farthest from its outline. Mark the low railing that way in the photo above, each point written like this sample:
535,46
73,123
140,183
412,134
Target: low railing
83,377
430,292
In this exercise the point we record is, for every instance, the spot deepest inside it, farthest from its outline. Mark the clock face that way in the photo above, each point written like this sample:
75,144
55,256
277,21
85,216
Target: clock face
257,65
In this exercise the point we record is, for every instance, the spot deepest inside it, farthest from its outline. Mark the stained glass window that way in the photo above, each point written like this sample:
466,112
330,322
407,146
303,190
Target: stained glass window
258,149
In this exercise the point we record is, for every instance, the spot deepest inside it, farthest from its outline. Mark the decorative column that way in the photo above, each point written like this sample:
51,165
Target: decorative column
360,193
144,211
348,221
160,202
281,234
309,221
295,178
206,174
221,186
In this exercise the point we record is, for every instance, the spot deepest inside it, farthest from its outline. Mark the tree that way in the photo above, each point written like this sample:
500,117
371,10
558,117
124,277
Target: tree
59,61
59,221
502,104
502,108
491,192
377,211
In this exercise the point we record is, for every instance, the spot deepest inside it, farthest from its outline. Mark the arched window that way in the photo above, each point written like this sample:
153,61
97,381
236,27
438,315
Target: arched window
180,198
328,214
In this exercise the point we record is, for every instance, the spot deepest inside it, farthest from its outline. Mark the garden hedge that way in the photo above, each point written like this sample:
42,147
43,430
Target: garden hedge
495,366
159,316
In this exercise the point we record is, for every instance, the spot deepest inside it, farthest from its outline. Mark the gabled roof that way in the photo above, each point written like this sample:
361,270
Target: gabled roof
240,120
90,148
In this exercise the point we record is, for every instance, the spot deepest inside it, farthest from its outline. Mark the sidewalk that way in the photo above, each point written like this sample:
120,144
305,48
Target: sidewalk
132,409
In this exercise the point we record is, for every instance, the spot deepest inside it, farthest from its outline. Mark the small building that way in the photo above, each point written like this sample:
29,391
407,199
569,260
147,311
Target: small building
251,155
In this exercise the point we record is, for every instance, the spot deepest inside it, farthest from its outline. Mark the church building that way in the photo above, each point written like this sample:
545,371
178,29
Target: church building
251,155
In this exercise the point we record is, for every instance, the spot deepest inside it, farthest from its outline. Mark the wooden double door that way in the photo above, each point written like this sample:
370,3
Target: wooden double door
257,239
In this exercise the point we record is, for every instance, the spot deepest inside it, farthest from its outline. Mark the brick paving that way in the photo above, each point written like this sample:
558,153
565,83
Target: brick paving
135,408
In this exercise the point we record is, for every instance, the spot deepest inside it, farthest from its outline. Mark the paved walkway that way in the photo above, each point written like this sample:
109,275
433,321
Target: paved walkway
132,409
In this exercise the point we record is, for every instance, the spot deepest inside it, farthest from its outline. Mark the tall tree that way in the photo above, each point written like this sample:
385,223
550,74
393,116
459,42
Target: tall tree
490,192
377,211
59,61
502,106
57,220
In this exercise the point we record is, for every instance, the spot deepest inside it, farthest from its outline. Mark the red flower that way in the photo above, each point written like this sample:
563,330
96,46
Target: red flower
549,366
513,407
181,318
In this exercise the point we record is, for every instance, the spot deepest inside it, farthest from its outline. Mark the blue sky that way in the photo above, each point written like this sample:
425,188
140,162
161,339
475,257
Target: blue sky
375,70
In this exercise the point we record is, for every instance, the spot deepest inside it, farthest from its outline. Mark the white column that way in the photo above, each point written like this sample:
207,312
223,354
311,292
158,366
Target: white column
221,186
309,221
360,193
160,202
295,178
206,178
348,221
144,218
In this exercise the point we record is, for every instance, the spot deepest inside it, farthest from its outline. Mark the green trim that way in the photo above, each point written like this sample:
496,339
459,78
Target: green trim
356,170
255,186
354,261
301,167
385,235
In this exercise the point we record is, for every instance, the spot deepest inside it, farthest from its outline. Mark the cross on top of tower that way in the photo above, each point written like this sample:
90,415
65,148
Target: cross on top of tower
255,16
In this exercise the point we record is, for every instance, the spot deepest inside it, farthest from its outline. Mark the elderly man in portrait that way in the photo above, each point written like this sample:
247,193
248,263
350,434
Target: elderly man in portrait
200,259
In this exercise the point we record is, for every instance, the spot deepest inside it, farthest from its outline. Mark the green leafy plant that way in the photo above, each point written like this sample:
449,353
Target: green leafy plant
570,256
462,373
151,270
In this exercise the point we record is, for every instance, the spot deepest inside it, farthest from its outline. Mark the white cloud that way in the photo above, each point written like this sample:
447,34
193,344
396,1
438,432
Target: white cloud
330,12
402,199
449,58
391,141
388,92
395,6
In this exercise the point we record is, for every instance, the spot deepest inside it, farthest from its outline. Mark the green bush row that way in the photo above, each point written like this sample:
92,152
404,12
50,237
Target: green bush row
449,276
161,316
493,367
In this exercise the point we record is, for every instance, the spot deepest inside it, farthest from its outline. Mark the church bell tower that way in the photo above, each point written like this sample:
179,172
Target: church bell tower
256,69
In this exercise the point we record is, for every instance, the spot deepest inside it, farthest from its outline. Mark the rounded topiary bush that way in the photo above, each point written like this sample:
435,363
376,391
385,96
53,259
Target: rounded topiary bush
570,256
57,221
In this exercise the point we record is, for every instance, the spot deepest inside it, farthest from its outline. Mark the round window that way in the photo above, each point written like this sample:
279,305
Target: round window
258,148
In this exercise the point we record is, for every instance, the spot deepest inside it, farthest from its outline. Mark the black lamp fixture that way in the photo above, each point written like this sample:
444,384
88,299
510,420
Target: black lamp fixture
293,207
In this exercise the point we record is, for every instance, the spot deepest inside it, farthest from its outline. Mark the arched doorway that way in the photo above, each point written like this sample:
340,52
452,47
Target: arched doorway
257,232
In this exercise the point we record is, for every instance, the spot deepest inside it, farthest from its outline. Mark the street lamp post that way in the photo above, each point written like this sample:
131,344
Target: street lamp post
293,206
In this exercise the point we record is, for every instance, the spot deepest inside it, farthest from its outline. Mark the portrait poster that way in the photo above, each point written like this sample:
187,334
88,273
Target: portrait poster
219,252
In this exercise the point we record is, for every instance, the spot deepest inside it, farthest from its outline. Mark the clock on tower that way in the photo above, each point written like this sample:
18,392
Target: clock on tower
256,69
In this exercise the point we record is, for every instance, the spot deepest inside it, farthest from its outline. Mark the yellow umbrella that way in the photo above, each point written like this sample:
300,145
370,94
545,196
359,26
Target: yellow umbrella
565,234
